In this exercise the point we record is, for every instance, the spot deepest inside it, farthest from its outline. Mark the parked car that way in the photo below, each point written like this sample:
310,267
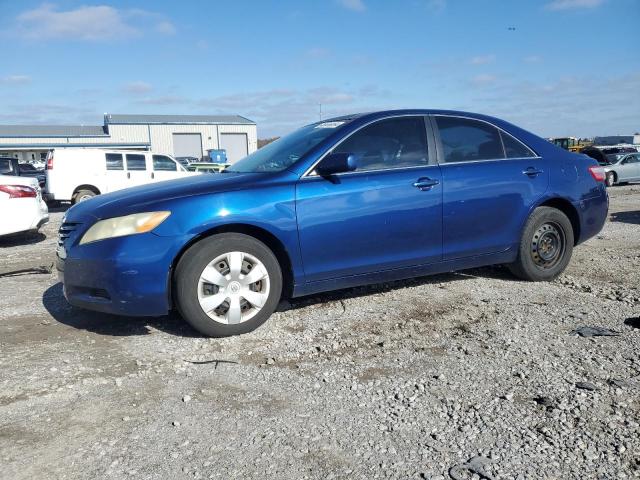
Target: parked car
78,174
207,167
623,168
10,166
339,203
22,208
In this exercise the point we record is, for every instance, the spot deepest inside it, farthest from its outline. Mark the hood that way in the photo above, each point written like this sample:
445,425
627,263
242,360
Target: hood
132,199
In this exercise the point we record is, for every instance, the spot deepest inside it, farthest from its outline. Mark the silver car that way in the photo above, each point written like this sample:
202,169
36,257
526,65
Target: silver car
624,169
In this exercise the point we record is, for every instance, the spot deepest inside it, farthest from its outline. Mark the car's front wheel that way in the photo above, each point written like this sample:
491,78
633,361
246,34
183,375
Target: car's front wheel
545,247
611,179
227,284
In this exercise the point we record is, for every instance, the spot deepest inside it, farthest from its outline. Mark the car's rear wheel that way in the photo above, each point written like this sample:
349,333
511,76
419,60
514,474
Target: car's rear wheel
545,247
611,179
227,284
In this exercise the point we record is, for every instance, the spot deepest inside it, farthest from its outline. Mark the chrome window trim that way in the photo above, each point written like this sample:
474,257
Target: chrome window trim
501,130
310,171
488,160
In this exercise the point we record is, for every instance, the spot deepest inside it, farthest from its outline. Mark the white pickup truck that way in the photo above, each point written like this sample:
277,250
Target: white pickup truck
77,174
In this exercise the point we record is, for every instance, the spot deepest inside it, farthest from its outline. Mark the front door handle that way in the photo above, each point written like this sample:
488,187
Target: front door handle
532,172
152,175
425,183
128,174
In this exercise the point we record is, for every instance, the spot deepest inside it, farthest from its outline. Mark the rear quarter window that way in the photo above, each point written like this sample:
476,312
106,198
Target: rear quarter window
514,148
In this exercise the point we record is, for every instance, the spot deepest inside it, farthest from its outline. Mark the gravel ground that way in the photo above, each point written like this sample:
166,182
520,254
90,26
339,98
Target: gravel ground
465,375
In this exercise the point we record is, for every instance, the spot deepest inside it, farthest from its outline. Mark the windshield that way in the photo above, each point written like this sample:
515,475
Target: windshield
285,151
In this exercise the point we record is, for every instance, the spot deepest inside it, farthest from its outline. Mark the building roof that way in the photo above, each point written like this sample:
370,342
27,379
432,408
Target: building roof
176,119
52,131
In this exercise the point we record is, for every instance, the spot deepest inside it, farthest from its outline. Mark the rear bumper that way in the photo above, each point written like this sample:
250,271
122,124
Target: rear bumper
593,212
26,214
123,276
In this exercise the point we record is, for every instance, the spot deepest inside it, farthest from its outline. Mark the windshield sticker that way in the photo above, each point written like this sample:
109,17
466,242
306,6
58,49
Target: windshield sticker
329,124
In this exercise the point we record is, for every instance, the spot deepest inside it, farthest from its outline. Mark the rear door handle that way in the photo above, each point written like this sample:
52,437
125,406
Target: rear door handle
425,183
152,175
128,174
532,172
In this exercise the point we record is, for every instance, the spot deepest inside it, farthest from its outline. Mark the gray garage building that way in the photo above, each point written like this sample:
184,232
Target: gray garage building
177,135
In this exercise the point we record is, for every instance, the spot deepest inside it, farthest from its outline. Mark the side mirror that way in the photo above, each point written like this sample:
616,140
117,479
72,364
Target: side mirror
336,163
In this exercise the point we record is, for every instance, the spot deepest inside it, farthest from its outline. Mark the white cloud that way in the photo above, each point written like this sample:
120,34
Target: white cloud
88,23
137,88
532,59
437,5
573,4
354,5
483,59
166,28
15,80
483,80
317,52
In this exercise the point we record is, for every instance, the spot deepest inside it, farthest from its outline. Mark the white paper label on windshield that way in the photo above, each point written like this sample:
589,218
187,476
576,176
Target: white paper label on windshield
329,124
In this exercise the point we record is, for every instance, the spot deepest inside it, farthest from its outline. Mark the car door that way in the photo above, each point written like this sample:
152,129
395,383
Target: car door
115,174
490,181
629,168
386,214
166,168
137,169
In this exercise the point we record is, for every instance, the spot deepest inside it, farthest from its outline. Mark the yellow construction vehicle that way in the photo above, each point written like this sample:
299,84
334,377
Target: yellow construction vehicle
570,143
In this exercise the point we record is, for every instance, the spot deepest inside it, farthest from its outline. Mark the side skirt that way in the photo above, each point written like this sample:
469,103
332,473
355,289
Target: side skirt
310,288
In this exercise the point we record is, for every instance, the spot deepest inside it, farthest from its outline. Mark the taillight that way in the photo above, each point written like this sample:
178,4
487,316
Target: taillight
18,191
598,173
50,161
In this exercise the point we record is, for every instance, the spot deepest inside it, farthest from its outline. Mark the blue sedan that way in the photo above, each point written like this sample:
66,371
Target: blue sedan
339,203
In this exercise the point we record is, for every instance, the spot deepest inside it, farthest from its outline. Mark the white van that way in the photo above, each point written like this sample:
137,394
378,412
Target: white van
77,174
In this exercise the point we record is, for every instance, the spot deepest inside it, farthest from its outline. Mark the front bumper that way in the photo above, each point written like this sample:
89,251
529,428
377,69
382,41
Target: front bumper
124,276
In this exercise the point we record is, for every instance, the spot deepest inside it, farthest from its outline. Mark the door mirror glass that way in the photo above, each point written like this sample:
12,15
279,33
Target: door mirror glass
336,163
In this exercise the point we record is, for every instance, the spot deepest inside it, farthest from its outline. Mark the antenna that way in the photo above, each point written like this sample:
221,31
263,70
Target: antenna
320,110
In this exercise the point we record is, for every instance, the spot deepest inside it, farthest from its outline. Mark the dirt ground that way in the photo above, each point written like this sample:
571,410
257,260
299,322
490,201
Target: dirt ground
464,375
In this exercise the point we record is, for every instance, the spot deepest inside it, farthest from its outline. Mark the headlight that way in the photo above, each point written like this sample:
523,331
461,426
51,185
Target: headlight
121,226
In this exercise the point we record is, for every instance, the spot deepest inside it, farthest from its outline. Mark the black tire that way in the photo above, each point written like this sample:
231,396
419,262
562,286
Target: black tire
82,195
545,247
610,179
200,255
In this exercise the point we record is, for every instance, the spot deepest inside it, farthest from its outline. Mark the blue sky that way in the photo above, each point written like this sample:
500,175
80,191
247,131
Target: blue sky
556,67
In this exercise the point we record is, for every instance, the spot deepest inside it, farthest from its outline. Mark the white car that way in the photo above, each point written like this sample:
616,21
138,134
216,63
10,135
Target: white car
77,174
21,205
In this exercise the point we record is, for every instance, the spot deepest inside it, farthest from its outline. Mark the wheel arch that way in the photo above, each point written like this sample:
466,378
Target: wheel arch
265,236
566,207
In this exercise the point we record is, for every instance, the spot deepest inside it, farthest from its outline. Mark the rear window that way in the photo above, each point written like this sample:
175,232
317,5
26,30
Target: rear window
136,162
114,161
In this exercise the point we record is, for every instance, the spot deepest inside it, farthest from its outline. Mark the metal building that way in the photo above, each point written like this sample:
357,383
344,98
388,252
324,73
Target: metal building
177,135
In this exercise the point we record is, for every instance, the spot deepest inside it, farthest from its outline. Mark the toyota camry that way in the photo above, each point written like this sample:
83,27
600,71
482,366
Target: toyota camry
343,202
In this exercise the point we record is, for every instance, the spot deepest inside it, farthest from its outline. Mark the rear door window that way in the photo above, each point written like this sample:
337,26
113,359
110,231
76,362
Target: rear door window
164,163
468,140
136,162
114,161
